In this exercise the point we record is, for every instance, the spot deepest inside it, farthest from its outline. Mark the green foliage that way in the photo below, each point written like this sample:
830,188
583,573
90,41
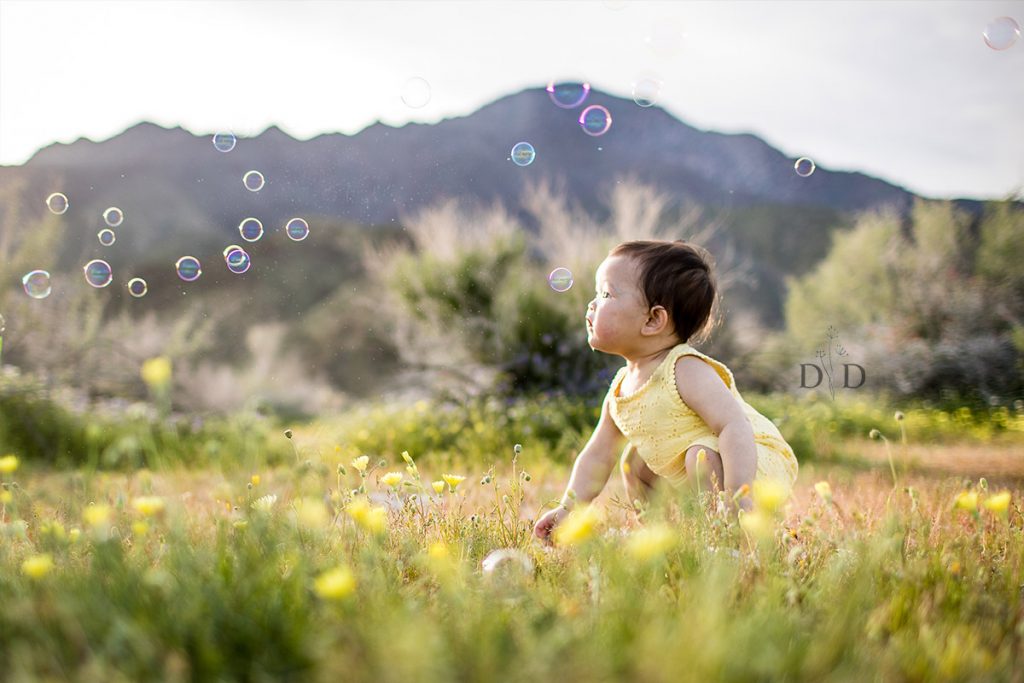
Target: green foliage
935,311
40,430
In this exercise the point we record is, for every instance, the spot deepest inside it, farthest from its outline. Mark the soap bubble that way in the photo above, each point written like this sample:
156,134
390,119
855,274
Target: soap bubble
57,203
1001,33
106,237
237,259
250,229
568,95
523,154
595,120
804,167
224,142
36,284
416,92
253,181
113,216
560,279
98,273
297,229
508,563
188,268
137,287
646,91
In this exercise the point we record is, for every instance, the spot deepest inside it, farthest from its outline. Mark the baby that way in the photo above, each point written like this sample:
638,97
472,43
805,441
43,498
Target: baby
670,401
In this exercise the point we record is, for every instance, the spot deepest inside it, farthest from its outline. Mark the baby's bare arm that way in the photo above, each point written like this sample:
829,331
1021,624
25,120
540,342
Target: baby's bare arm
595,462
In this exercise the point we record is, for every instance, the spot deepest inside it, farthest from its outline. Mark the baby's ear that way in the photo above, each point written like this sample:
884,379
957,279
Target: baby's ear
658,319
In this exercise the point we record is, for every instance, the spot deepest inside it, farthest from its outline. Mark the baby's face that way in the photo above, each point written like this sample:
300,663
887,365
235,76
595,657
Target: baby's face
617,312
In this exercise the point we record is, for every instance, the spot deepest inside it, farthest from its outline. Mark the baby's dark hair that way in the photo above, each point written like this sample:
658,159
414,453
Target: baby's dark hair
679,276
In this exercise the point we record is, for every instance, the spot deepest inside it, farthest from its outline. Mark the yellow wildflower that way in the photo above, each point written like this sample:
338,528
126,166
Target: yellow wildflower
140,528
156,372
8,463
6,496
370,517
310,513
756,524
37,566
769,495
966,500
149,506
998,503
651,542
452,480
97,515
824,490
335,584
361,462
438,486
255,480
578,526
74,535
392,479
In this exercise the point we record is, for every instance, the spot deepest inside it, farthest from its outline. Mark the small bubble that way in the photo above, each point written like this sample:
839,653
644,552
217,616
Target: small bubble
237,259
646,91
251,229
416,92
224,142
804,167
297,229
568,95
98,273
137,287
188,268
253,181
1001,33
36,284
523,154
113,217
595,120
106,237
57,203
560,279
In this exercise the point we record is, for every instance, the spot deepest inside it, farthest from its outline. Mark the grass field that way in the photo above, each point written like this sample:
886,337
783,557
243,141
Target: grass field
283,569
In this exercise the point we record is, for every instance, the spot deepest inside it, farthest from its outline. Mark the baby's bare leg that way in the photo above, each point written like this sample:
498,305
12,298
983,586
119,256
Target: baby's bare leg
637,477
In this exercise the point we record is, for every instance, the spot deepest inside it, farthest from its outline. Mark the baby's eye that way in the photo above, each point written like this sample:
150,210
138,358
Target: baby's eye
604,295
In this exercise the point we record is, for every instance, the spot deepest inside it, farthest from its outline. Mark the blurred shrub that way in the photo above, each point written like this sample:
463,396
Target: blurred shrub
940,312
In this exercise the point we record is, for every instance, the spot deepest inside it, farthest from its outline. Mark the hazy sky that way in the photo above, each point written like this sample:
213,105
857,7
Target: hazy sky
906,91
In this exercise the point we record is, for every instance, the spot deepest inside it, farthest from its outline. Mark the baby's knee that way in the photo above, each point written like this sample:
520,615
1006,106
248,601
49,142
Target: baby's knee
710,466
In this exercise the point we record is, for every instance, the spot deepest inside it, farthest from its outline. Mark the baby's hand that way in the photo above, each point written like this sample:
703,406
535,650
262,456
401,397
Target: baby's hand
547,523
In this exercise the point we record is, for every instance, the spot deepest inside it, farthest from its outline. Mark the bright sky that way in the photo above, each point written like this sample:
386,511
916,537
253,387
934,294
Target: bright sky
906,91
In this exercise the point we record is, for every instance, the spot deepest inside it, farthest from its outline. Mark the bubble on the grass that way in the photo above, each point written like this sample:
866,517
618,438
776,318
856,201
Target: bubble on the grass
804,167
106,237
253,181
188,268
1001,33
137,287
224,142
416,92
250,229
507,562
560,279
297,229
568,95
57,203
113,217
237,259
98,273
595,120
646,91
666,37
523,154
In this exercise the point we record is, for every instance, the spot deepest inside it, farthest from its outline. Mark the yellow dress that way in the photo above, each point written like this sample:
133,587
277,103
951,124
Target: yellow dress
662,427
